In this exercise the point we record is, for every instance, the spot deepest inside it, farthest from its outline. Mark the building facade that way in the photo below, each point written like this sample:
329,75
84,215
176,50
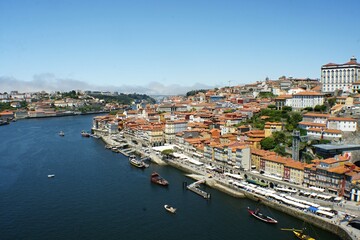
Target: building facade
340,76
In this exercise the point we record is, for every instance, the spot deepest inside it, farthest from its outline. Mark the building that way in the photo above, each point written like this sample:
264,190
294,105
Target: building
172,128
306,99
340,76
343,124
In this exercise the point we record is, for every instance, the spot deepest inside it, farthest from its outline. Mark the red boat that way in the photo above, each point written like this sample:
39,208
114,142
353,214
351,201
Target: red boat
257,214
156,178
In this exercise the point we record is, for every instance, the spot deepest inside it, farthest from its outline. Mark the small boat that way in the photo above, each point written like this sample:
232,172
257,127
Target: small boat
156,178
51,175
299,234
170,209
61,133
2,122
257,214
137,163
85,134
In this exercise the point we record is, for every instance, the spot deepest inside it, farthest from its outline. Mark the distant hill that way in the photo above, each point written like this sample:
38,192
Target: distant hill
124,98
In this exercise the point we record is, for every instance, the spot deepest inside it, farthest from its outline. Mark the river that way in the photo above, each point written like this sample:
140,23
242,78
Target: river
97,194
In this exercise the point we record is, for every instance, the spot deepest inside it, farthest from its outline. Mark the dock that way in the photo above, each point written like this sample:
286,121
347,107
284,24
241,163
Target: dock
195,188
127,152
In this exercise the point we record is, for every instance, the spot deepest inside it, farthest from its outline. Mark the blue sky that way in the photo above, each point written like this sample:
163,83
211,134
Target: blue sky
170,46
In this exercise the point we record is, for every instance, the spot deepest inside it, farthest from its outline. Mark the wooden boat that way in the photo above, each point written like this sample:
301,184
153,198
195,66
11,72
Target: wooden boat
257,214
85,134
137,163
299,234
156,178
170,209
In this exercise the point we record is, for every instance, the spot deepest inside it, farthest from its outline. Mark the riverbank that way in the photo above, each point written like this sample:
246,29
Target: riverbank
219,182
335,225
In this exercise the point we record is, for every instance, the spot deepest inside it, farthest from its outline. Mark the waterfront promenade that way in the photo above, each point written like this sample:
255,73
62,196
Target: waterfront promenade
224,183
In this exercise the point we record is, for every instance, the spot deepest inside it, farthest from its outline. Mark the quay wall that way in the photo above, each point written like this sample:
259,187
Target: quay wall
209,182
329,226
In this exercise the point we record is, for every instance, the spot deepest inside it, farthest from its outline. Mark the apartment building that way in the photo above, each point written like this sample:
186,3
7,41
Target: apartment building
172,128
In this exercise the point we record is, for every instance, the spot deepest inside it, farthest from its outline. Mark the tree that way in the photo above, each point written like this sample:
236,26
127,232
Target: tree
320,108
331,101
310,109
279,149
268,143
279,137
287,108
272,106
294,119
167,152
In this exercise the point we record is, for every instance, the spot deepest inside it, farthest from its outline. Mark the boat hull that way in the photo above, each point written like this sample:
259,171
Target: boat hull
302,236
157,179
262,217
170,209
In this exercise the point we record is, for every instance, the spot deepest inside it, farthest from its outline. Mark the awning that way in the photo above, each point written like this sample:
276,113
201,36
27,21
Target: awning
325,213
193,161
313,209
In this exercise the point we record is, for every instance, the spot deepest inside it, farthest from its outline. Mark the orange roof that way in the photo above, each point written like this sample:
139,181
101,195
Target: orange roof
342,119
313,124
312,114
295,164
308,93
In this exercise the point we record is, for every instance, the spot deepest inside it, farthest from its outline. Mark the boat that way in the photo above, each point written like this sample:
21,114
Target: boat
170,209
156,178
2,122
85,134
61,133
299,234
51,175
257,214
137,163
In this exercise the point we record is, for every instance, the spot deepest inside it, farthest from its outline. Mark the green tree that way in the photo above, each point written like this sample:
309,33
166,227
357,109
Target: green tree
287,108
294,120
272,106
320,108
268,143
279,137
167,152
279,149
310,109
331,101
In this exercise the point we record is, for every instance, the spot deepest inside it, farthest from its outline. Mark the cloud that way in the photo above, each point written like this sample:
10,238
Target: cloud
46,81
50,83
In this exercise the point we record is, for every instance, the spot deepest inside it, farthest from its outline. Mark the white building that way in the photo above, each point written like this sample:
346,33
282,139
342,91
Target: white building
343,124
340,76
306,99
172,128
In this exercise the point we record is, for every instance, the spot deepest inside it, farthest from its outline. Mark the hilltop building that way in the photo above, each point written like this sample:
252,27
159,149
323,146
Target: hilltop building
340,76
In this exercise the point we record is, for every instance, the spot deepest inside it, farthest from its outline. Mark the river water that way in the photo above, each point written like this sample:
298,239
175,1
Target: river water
97,194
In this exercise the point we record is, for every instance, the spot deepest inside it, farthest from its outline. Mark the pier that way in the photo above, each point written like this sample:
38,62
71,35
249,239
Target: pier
195,188
127,152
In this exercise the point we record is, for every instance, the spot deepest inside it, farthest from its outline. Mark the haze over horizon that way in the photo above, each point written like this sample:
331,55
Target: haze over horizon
169,47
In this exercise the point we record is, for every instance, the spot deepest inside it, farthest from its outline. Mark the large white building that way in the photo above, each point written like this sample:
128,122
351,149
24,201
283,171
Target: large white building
306,99
340,76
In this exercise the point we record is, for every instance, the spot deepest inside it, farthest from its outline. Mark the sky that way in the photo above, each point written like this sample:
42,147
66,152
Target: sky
168,46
